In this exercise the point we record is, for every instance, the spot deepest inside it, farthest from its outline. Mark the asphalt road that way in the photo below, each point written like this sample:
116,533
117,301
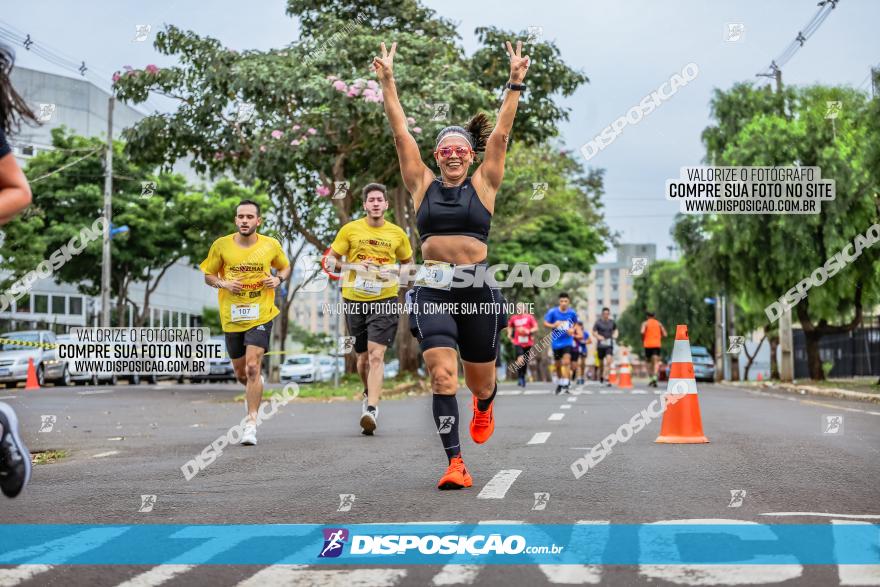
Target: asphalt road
129,441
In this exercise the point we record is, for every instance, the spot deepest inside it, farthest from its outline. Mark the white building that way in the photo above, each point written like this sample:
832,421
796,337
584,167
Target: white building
82,107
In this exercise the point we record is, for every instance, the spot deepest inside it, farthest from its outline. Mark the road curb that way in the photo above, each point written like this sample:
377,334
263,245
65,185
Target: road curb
797,388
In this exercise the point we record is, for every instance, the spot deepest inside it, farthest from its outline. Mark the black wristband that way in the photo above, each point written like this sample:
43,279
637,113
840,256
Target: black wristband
515,87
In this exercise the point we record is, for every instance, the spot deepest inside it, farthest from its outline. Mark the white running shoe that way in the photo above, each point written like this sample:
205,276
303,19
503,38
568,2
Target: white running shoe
249,436
368,420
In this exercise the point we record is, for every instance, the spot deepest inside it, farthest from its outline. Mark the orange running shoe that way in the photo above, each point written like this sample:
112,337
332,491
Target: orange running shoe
456,475
483,423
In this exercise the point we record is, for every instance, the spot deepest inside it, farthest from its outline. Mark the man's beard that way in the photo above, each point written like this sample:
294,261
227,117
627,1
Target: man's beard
247,231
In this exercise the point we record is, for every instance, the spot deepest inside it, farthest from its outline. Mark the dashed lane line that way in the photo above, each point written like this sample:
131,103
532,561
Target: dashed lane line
498,485
539,438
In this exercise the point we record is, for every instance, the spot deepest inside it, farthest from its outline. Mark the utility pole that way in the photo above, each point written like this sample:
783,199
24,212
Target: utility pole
719,340
108,215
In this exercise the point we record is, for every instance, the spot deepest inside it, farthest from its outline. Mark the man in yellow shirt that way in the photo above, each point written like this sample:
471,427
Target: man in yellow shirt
371,246
240,265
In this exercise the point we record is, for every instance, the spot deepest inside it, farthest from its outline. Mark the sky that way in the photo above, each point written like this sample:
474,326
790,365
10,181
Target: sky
626,48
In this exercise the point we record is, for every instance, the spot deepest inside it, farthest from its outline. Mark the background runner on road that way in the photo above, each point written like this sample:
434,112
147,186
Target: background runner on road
562,319
240,265
581,336
605,331
652,338
372,245
521,328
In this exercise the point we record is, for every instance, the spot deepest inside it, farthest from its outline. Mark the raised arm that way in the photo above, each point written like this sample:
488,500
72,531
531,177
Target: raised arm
416,175
491,171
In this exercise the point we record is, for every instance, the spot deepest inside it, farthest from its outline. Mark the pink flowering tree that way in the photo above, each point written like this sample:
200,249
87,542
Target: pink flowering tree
300,118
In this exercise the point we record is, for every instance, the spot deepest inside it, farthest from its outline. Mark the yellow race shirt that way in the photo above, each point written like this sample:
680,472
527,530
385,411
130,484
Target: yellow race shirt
361,243
255,304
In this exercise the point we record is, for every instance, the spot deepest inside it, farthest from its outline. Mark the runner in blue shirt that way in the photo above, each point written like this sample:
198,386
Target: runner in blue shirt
562,319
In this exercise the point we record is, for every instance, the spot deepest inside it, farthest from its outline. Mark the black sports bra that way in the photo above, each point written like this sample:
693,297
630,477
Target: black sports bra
453,211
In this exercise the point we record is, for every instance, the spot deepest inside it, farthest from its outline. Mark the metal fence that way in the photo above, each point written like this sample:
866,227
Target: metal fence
852,354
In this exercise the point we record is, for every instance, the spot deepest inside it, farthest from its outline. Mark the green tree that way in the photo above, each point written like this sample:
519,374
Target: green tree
668,289
759,257
164,228
560,224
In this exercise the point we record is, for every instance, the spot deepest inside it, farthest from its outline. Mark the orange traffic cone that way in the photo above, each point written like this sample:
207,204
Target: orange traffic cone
612,374
626,381
681,420
31,382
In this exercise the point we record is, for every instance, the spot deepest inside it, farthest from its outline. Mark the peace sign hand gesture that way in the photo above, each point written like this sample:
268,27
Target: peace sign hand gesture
519,65
383,65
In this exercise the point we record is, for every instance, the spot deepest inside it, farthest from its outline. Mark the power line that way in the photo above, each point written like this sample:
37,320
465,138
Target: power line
825,8
100,79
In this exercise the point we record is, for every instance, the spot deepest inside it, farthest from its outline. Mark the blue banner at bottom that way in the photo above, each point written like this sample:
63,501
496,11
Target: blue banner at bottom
440,544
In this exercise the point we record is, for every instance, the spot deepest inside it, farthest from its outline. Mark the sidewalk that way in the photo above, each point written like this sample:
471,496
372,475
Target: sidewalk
802,388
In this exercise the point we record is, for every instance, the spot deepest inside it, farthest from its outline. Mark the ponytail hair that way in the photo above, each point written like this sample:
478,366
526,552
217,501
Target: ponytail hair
479,127
13,108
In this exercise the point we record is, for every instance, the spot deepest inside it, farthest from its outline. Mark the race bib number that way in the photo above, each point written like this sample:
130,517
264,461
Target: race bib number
522,339
244,312
436,275
366,286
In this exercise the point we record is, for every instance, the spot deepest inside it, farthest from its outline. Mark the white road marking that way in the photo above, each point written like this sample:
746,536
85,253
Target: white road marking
20,574
565,407
109,453
298,576
824,515
9,397
539,438
571,400
419,523
536,392
156,576
498,485
837,407
810,402
95,392
731,574
457,575
572,574
638,392
854,574
557,416
509,392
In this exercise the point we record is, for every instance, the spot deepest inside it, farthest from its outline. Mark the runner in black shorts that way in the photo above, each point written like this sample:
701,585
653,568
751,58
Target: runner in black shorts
605,331
240,266
372,247
453,216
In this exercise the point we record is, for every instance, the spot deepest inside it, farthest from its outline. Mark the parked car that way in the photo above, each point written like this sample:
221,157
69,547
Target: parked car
103,378
704,364
219,369
302,369
14,359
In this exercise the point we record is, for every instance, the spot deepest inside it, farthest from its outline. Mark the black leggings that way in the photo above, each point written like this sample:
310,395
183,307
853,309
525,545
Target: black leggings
467,318
522,368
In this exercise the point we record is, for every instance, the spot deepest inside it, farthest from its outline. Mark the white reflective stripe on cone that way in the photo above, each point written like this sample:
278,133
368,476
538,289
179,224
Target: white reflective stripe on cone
681,386
681,352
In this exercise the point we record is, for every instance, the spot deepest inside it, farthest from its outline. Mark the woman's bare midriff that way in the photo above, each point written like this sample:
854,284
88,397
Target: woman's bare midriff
454,248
